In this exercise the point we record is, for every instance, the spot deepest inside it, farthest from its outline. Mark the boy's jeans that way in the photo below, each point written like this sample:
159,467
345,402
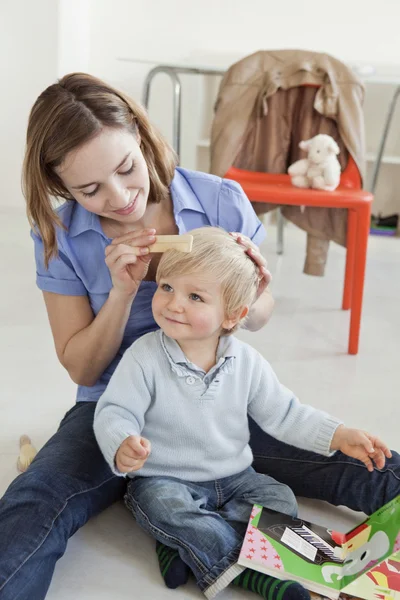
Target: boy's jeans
206,521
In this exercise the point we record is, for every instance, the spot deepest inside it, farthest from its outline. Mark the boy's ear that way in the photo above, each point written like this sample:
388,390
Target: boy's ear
233,320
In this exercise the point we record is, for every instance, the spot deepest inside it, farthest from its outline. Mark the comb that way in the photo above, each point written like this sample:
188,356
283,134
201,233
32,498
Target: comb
182,243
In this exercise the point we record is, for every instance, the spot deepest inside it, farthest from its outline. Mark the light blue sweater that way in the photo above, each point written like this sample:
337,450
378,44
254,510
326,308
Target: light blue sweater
196,422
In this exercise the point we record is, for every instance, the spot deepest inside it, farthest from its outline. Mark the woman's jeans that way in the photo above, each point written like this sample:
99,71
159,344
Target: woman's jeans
69,482
206,521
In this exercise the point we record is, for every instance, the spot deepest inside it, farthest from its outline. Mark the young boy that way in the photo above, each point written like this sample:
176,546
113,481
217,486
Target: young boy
187,390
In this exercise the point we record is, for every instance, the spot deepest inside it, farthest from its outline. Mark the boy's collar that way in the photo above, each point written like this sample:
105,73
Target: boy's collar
227,349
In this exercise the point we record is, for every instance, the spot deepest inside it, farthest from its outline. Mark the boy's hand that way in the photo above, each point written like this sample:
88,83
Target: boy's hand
361,445
132,454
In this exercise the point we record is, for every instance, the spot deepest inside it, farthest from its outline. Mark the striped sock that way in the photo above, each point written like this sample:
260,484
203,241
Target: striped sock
270,588
174,571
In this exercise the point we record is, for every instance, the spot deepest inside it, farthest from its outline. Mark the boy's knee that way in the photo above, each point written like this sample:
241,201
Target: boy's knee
146,489
280,498
159,498
288,502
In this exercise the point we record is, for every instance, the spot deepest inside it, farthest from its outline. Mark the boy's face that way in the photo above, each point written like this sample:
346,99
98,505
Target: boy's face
190,307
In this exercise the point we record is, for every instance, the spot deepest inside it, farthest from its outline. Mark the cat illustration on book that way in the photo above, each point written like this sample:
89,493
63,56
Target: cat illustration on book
360,552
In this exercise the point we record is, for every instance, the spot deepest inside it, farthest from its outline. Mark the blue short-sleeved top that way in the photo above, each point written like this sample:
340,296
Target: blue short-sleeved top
199,199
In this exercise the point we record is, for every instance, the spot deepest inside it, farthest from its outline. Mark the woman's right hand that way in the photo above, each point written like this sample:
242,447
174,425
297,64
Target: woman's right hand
128,259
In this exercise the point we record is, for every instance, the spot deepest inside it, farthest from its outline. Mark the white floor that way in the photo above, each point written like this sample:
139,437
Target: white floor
306,342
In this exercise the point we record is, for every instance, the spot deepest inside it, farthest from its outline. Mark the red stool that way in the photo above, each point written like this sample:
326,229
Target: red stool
276,188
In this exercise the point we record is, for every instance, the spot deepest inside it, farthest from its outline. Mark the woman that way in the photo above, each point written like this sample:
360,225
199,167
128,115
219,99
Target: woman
94,147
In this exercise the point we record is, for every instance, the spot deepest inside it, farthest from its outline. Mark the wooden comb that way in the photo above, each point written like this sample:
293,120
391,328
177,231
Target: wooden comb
182,243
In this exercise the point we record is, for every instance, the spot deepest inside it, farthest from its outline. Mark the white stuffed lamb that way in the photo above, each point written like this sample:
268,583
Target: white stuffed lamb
321,169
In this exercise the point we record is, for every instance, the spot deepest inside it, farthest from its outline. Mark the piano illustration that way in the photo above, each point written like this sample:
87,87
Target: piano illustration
310,542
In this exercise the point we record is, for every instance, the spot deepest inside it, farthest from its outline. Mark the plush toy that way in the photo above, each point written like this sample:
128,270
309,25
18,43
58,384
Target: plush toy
321,169
26,455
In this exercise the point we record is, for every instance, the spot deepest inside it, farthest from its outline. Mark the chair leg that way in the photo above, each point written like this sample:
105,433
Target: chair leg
350,257
279,230
363,224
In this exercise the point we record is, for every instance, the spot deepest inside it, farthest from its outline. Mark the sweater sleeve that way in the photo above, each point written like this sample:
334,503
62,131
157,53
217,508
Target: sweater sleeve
280,414
121,409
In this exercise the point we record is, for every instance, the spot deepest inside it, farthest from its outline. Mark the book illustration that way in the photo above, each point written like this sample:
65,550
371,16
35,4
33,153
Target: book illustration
363,563
365,546
386,575
313,545
363,552
258,548
382,581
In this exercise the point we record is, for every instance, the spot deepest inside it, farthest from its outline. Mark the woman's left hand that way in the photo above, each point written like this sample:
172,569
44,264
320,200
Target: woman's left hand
255,254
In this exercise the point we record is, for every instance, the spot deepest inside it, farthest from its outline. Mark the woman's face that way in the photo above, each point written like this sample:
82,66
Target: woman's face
108,176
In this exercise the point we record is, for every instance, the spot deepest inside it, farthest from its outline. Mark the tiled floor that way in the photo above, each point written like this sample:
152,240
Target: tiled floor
306,342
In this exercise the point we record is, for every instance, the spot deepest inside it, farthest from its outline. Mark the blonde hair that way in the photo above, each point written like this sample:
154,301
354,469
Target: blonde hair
65,116
216,253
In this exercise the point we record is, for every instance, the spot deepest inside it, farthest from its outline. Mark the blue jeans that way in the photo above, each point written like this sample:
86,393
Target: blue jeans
69,482
205,521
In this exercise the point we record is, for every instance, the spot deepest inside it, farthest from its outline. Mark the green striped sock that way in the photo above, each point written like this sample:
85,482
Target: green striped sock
270,588
174,571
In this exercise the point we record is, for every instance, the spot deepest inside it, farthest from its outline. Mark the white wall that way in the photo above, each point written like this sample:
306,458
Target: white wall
218,32
73,36
44,39
28,63
175,30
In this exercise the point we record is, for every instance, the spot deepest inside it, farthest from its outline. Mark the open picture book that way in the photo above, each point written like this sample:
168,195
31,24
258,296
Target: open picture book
365,562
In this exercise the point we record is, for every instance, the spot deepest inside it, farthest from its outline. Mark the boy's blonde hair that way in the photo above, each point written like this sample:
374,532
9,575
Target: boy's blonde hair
216,253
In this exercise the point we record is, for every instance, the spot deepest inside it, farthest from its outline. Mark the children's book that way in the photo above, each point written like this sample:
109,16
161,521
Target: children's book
365,562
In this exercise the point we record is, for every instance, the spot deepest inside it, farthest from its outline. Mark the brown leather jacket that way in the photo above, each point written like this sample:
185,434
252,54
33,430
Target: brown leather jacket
262,114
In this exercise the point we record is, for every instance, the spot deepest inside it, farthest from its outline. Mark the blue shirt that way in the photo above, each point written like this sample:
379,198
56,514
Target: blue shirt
199,199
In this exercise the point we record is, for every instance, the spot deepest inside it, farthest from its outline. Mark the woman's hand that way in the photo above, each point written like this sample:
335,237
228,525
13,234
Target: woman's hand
128,258
255,254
